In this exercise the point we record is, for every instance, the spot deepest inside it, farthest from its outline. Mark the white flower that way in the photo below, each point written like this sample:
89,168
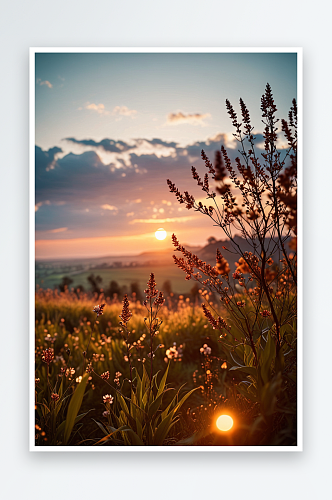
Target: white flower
108,399
206,350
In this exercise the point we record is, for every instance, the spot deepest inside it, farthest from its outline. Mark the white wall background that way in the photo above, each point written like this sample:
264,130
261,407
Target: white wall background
179,23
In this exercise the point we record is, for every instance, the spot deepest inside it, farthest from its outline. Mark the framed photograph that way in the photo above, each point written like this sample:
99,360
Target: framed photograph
165,240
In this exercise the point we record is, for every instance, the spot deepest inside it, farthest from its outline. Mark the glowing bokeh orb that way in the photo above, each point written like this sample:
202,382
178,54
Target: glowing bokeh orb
224,423
160,234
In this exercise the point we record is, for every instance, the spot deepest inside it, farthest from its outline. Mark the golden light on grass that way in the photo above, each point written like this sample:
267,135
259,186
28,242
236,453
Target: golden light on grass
224,423
160,234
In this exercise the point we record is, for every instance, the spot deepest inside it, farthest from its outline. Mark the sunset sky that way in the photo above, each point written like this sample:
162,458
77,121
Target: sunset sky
112,128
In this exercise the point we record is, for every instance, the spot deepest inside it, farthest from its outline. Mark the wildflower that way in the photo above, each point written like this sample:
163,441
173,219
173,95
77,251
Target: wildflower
222,265
118,374
37,380
79,379
206,350
265,313
241,303
151,291
174,353
70,372
224,366
159,301
48,355
89,368
108,399
105,375
126,313
55,396
99,309
237,275
106,413
215,323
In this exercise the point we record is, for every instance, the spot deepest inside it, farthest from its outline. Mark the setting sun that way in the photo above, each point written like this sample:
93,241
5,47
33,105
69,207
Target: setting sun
224,422
160,234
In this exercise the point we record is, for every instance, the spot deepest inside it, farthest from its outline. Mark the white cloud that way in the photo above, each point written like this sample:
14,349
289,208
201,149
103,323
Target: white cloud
193,119
138,147
144,147
45,82
41,203
124,111
99,108
58,230
109,207
227,139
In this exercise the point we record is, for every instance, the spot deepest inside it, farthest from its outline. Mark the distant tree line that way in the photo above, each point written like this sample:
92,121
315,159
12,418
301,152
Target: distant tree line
115,290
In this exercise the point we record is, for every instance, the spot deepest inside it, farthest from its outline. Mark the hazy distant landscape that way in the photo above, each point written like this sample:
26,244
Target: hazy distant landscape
126,270
50,277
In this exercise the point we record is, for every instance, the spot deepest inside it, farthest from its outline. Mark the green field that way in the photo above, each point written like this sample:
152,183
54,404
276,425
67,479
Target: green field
124,276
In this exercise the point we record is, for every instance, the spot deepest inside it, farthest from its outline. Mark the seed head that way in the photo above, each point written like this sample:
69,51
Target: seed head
265,313
99,309
48,355
151,291
105,375
126,313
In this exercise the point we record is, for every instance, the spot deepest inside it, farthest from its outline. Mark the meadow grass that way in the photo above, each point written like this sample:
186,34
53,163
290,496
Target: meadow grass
186,344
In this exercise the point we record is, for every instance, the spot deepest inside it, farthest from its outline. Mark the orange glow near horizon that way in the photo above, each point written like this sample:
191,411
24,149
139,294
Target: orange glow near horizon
224,423
102,246
96,247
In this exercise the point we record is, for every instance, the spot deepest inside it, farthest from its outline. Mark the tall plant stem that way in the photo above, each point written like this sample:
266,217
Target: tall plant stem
85,352
151,344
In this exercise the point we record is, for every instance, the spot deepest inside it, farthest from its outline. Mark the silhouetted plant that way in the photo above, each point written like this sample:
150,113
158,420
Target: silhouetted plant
257,200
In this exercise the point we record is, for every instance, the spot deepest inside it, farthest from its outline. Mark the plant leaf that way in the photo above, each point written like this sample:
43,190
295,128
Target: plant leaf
74,406
163,381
